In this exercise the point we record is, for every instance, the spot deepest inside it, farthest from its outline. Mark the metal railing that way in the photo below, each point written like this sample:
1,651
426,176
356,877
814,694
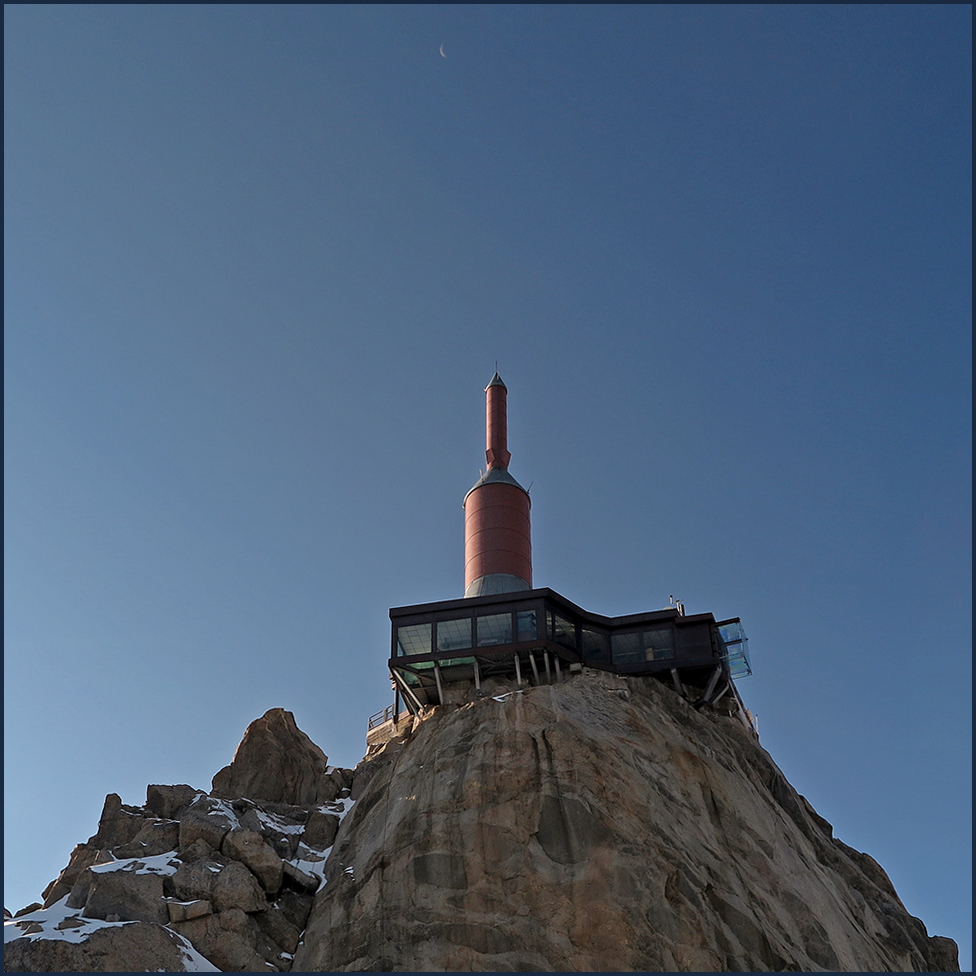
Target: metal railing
381,717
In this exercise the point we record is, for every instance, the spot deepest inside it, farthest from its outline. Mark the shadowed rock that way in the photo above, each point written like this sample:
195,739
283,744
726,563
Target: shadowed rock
126,896
82,856
232,941
169,802
117,825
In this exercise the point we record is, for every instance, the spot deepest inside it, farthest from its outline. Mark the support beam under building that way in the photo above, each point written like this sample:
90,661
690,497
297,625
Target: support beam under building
409,698
712,682
440,687
535,670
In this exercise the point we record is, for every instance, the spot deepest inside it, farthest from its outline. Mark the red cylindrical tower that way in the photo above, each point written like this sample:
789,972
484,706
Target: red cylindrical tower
497,536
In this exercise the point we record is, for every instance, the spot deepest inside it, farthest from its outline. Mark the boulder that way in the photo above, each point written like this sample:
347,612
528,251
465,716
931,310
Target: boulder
290,813
233,942
79,891
207,818
183,911
300,879
251,849
156,837
277,762
169,802
236,887
195,881
200,850
126,896
138,947
320,830
281,830
117,825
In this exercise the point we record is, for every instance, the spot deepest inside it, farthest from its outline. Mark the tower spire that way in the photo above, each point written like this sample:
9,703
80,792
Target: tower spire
497,533
496,423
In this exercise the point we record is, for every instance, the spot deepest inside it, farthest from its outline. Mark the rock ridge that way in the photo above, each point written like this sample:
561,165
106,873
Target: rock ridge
196,881
600,824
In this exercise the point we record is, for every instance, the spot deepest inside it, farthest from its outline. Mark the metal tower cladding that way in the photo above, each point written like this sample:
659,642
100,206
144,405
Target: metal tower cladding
497,533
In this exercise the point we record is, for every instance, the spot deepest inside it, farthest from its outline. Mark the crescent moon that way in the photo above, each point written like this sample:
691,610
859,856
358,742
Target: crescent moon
443,55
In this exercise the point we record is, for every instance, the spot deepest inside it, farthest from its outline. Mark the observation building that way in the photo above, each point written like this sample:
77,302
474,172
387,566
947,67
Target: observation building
505,628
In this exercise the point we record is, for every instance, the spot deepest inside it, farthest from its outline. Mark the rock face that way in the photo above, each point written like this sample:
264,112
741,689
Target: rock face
593,826
601,824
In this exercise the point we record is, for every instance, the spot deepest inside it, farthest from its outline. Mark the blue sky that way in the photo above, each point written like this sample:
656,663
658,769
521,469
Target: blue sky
261,262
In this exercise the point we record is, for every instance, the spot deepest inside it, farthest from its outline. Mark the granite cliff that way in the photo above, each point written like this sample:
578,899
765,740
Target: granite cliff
602,824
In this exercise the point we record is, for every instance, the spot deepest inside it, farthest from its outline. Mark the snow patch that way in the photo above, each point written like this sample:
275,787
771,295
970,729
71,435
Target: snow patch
49,919
223,807
273,822
193,962
312,862
164,864
48,922
338,807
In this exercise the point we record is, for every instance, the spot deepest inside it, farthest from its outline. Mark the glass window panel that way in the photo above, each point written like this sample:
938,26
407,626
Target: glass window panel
495,629
453,634
414,639
596,645
449,662
563,632
731,631
627,648
736,648
658,644
527,626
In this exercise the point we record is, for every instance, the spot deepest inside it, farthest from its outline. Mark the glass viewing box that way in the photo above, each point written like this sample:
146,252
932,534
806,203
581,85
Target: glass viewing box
538,636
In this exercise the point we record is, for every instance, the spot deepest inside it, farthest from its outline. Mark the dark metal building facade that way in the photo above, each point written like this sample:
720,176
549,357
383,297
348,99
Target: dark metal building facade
538,636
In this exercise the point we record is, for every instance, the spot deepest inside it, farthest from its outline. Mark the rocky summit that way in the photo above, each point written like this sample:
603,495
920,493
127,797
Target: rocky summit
601,824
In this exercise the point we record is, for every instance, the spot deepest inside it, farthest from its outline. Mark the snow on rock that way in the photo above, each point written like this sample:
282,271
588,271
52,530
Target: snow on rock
197,882
60,939
272,822
56,922
162,864
340,806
